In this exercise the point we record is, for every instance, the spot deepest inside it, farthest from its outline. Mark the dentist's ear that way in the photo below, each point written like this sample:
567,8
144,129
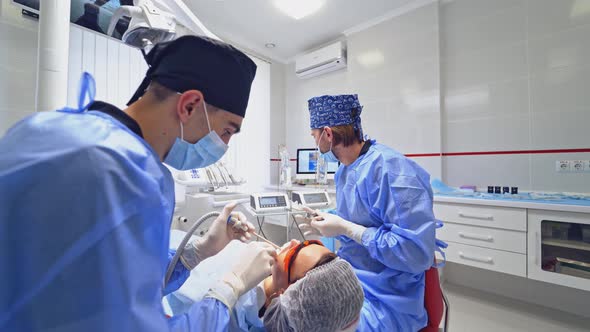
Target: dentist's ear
187,104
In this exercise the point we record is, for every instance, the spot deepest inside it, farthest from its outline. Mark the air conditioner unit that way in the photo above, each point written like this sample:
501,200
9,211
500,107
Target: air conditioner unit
324,60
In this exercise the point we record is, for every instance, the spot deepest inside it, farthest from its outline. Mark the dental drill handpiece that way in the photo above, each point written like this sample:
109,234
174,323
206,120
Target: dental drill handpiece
237,224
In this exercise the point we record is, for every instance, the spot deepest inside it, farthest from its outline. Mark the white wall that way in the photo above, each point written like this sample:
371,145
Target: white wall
117,68
18,65
394,68
511,75
515,76
277,115
249,150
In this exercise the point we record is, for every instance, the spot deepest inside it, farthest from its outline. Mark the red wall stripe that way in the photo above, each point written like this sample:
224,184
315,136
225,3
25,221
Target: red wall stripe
479,153
482,153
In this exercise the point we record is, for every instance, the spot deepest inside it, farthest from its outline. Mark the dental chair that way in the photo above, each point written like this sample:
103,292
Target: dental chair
435,302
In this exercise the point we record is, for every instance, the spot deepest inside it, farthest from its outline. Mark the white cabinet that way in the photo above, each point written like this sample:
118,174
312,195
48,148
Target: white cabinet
489,259
545,242
480,215
487,237
501,239
559,248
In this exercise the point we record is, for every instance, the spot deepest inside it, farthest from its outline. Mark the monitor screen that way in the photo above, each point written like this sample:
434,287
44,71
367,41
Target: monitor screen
94,15
307,161
264,201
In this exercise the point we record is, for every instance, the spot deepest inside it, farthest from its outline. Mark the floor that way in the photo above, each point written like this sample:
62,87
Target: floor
474,310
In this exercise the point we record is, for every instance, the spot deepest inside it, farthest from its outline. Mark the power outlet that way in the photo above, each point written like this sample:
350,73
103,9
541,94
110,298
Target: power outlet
563,166
577,165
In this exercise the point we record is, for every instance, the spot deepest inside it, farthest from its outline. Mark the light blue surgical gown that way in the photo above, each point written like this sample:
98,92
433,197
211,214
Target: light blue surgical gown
85,212
391,196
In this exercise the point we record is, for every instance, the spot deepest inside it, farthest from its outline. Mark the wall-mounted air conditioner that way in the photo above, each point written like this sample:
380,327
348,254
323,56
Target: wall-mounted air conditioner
324,60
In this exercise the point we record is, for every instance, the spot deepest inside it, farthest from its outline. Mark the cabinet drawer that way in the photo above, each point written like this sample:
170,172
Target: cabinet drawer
490,259
492,238
479,215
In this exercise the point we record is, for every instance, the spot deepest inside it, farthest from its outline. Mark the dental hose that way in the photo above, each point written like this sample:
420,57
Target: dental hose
185,240
230,220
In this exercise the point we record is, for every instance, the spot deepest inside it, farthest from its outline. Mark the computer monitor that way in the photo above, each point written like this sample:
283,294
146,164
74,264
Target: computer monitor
307,161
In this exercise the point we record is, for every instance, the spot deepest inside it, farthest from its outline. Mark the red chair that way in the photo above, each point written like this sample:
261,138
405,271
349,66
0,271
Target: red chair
435,302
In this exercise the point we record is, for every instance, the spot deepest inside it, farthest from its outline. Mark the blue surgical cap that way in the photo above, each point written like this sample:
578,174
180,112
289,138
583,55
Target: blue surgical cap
334,111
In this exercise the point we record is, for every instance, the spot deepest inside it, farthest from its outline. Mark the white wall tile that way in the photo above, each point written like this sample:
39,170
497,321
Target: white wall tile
492,133
18,69
487,170
466,10
549,16
467,70
503,92
473,28
137,70
88,50
101,70
19,47
124,76
113,70
402,128
561,129
487,100
560,90
545,178
17,89
565,48
74,64
398,81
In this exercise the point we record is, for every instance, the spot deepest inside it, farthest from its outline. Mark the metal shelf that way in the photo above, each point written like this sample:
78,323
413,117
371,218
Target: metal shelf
567,244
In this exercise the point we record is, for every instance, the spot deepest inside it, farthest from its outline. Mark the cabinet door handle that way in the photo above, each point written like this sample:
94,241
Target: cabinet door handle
537,248
487,238
476,216
488,260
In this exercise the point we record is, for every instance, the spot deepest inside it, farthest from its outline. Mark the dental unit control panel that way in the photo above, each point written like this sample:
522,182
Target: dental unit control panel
269,202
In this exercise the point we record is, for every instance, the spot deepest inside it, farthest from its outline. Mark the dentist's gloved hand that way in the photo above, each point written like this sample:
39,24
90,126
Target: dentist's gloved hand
249,269
331,225
218,236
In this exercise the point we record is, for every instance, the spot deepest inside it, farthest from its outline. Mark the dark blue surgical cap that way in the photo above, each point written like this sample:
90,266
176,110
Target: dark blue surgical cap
221,72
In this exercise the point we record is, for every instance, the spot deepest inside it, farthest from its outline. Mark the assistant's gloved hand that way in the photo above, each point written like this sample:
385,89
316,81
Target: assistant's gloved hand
309,232
331,225
218,236
249,269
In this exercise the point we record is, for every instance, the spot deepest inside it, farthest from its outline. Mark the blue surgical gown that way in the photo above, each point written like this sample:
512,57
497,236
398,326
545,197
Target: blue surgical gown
391,196
85,212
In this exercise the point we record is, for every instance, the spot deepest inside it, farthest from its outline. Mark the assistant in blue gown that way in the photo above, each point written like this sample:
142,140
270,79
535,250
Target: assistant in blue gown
391,196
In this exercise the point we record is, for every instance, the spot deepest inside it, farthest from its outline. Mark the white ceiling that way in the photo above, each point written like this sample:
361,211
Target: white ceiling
253,23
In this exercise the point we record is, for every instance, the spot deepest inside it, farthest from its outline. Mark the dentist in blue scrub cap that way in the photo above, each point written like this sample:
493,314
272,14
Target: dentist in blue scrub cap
86,203
384,218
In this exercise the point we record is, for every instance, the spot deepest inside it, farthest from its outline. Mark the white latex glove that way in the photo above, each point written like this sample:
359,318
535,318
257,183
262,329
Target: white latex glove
249,269
218,236
309,232
331,225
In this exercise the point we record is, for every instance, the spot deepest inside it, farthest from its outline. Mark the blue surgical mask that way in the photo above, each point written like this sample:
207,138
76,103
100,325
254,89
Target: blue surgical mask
206,151
328,156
